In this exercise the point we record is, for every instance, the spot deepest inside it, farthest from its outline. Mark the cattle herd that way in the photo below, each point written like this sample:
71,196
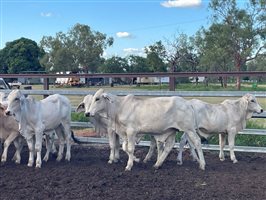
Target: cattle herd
125,118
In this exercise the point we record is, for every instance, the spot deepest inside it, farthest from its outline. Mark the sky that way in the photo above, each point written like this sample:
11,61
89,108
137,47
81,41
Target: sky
134,24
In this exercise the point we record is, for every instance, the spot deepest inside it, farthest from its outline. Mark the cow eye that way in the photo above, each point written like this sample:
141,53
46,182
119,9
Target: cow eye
16,99
97,99
252,101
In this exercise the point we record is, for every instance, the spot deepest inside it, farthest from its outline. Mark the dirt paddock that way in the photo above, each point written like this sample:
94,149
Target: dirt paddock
88,176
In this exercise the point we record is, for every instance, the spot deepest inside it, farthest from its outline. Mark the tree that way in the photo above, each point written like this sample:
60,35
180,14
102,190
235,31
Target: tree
3,65
114,64
247,28
137,64
79,49
21,55
214,47
155,57
181,54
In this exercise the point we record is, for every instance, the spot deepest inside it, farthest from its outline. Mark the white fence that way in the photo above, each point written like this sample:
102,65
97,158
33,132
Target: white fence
261,132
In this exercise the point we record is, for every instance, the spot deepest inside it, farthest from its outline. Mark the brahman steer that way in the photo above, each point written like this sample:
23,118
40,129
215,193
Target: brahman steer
226,118
100,122
160,116
9,133
36,117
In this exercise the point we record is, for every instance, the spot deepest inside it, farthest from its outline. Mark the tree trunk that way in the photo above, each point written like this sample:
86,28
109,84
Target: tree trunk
225,81
238,68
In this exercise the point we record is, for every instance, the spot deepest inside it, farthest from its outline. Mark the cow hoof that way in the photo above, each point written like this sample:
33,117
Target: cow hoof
202,167
38,166
128,168
58,159
235,161
137,160
179,162
145,161
17,162
45,159
222,159
110,162
30,164
156,167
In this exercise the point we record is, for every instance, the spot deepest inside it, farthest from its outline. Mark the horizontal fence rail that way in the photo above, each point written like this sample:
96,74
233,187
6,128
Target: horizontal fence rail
261,132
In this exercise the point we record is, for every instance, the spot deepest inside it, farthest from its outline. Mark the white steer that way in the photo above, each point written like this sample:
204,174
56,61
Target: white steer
36,117
9,133
226,118
100,122
161,117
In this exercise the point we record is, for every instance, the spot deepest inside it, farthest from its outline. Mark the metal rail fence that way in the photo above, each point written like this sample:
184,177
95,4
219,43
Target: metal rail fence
261,132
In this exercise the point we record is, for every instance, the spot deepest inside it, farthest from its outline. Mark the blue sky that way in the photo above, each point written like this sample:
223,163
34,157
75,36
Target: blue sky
134,24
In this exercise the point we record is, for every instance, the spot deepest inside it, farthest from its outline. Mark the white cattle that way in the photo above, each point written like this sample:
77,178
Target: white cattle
161,117
3,99
9,133
100,122
36,117
226,118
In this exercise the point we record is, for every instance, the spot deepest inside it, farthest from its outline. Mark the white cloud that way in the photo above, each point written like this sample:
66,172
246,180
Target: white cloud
123,34
46,14
181,3
134,51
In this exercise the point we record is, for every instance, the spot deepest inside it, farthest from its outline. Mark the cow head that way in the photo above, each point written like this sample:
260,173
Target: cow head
85,104
2,109
14,101
99,103
252,104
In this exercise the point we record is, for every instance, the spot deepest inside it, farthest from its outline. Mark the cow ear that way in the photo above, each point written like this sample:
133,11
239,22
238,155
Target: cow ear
107,97
22,100
247,96
81,107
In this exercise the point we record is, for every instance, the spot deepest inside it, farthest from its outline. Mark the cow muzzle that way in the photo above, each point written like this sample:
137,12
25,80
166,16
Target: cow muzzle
261,111
8,113
87,114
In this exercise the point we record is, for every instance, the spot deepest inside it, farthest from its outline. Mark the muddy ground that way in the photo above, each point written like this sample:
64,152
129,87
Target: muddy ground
88,176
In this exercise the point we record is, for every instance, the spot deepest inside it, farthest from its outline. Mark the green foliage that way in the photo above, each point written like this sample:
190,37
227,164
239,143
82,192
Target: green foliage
80,47
114,64
79,117
155,55
21,55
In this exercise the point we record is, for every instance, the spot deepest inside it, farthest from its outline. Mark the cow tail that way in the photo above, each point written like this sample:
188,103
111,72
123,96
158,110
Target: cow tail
75,139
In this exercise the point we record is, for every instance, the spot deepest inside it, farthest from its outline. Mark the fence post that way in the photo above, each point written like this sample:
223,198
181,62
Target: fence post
172,83
45,86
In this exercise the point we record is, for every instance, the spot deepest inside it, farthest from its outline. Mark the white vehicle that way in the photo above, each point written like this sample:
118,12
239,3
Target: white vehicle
4,85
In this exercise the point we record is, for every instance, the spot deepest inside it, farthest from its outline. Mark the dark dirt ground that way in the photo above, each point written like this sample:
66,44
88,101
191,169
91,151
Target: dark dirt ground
88,176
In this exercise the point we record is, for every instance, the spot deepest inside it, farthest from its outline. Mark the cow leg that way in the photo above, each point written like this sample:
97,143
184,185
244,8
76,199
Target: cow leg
182,143
117,148
38,148
48,143
67,131
195,141
112,144
231,143
169,144
192,151
31,144
59,133
7,142
18,144
222,144
151,150
130,149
